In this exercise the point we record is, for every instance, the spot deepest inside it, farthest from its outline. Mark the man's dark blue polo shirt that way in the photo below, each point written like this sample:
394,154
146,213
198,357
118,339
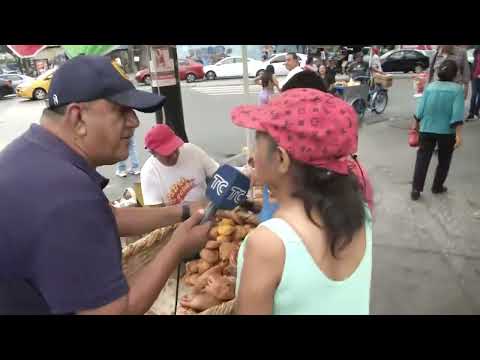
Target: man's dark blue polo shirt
60,247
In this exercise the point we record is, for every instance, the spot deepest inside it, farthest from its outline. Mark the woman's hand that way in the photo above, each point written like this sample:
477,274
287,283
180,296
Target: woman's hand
458,140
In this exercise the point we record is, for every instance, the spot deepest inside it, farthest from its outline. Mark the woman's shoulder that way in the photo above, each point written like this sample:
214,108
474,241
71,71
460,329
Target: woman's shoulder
264,243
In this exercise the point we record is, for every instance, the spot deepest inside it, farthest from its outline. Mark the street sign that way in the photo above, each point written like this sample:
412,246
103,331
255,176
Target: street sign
26,51
162,67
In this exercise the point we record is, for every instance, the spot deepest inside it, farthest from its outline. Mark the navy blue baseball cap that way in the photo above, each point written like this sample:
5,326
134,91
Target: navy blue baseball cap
87,78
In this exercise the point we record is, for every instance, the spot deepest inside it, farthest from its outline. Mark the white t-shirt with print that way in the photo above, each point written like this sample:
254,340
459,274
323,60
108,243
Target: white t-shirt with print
186,181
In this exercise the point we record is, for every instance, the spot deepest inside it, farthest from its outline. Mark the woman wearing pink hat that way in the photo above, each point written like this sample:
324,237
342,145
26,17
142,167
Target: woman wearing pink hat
315,255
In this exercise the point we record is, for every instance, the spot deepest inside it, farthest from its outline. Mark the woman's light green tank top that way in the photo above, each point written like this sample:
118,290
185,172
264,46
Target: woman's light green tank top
305,290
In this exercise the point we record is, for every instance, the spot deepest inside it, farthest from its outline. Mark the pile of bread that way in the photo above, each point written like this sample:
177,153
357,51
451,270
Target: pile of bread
211,279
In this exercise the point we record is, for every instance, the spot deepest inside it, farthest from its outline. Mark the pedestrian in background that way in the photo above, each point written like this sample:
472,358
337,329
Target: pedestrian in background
327,78
439,117
458,54
269,83
133,157
293,66
475,100
309,64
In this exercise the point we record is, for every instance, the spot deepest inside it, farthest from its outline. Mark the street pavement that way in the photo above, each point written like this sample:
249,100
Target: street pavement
426,253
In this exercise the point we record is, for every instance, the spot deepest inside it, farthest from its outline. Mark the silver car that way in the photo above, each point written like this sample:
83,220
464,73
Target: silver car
16,79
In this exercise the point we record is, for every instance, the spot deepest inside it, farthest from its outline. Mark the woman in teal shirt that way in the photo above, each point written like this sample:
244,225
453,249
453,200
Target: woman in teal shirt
439,117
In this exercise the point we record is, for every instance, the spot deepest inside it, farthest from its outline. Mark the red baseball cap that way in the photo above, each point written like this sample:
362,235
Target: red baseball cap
162,140
315,127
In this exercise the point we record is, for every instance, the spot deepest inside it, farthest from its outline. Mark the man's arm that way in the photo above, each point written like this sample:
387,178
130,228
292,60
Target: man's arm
209,165
139,221
146,286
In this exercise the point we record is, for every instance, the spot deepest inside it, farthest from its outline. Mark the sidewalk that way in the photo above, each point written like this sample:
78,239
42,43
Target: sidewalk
426,253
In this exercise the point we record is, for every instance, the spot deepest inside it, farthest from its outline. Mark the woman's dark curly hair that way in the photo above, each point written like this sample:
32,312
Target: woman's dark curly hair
337,198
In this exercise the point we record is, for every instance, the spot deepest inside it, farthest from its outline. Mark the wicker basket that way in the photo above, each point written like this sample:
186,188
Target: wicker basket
384,80
138,254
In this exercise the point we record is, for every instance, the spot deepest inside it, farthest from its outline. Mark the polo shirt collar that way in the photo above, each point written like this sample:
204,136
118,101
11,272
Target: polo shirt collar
51,143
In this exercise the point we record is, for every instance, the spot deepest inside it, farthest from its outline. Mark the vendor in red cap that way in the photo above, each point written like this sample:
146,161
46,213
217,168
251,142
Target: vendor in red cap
315,255
176,172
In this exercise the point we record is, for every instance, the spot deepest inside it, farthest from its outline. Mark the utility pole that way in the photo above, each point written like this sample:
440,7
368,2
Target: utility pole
166,81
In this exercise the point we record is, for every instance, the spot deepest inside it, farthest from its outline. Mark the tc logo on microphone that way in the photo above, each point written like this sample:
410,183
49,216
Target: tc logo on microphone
219,184
237,194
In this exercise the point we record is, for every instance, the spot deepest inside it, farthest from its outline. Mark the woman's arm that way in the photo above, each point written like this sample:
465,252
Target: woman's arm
264,258
458,136
275,82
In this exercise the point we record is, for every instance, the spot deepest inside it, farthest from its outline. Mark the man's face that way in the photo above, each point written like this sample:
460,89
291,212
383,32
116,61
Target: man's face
170,160
106,129
291,63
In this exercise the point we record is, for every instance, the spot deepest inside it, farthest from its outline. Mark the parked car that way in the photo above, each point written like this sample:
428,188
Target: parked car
278,62
16,79
37,89
231,66
6,88
404,60
188,70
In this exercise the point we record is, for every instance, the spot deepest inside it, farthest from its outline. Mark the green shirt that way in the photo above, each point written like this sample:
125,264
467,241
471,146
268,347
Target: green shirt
305,289
441,107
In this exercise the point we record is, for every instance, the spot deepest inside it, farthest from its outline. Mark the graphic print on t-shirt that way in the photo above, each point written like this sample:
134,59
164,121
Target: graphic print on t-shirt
179,190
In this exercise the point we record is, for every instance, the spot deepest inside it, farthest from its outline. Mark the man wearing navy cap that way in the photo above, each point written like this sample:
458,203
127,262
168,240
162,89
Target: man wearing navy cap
59,236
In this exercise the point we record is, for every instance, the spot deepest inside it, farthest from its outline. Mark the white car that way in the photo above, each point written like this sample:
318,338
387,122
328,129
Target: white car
16,79
278,61
231,66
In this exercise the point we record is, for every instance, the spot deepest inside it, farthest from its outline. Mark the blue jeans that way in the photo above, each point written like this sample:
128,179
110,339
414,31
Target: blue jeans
132,155
475,100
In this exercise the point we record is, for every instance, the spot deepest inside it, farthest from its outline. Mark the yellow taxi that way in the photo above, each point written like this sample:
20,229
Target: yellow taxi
36,89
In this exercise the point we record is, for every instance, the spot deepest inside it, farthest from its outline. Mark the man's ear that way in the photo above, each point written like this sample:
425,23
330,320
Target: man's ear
73,118
284,160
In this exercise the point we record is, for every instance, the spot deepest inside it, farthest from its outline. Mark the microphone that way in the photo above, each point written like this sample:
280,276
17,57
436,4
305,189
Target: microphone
226,190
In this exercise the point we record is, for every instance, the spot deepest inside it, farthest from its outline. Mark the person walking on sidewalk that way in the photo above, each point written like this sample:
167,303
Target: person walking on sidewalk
132,155
439,116
268,82
475,100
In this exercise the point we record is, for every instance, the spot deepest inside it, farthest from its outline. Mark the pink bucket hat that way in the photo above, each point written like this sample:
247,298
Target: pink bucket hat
315,127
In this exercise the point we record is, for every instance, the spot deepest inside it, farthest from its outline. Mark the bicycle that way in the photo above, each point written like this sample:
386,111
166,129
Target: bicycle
377,99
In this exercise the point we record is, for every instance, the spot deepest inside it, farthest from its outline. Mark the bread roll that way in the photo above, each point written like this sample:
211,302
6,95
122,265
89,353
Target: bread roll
210,256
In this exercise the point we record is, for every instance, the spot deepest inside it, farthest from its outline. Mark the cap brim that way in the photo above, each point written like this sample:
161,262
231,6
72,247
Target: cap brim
139,100
251,116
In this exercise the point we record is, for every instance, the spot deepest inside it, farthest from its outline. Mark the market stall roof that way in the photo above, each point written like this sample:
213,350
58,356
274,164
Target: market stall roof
26,51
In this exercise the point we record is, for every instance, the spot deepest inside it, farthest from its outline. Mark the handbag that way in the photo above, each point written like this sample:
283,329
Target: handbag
413,135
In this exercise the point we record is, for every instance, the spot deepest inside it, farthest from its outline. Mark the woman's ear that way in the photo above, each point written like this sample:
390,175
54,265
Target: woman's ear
284,161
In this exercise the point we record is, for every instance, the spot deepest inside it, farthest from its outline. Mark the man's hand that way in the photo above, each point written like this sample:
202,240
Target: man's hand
189,237
197,205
